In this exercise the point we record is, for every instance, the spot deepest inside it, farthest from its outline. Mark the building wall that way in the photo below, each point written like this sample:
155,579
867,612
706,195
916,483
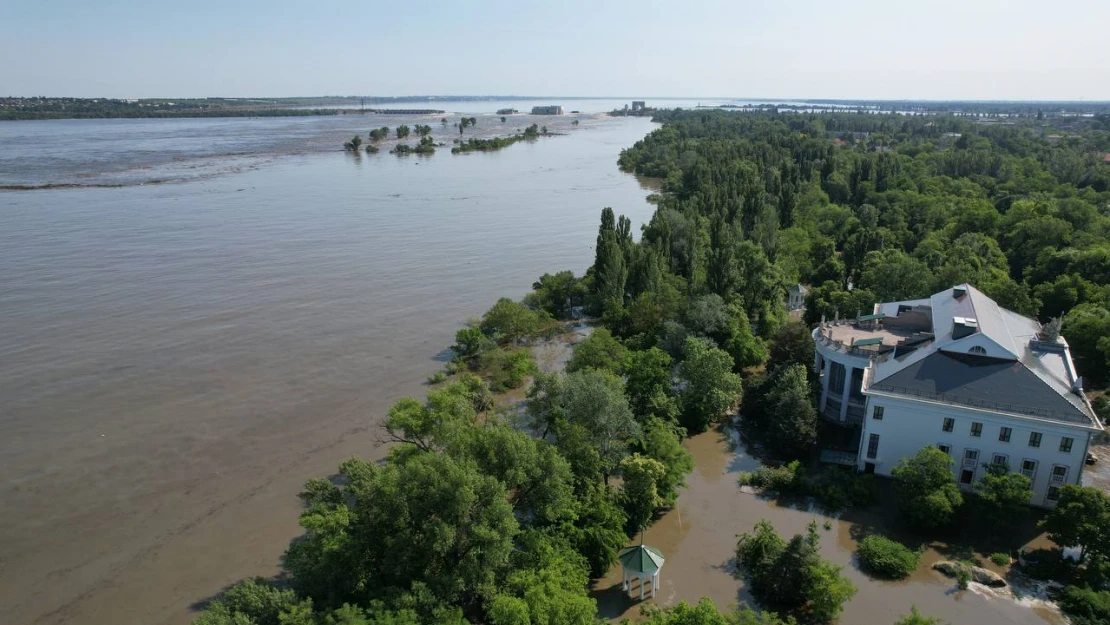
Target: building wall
907,426
825,356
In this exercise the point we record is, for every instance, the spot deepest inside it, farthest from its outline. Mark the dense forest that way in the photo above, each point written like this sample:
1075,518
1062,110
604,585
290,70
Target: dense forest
485,514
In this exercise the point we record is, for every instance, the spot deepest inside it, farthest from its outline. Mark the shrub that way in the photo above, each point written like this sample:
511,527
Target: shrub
785,479
884,557
1086,606
506,369
1001,559
963,578
835,489
437,378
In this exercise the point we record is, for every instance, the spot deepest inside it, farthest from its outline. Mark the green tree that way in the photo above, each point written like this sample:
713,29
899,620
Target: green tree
792,575
711,386
598,533
353,144
594,401
557,294
793,418
648,375
253,602
1080,519
538,479
893,275
927,491
828,590
661,443
430,520
792,344
544,409
1002,497
1087,330
508,321
640,489
470,342
599,350
746,349
402,131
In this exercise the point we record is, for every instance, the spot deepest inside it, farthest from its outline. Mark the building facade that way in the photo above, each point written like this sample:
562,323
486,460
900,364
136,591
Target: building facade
547,110
958,372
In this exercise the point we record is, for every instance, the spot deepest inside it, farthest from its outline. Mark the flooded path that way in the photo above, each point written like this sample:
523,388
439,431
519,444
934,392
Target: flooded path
698,538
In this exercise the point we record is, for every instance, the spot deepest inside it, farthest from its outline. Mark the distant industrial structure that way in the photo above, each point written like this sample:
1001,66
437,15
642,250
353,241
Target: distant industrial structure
507,111
638,105
406,111
547,110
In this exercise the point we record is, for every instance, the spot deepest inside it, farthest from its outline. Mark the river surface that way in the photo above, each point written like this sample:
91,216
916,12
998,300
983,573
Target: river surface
177,359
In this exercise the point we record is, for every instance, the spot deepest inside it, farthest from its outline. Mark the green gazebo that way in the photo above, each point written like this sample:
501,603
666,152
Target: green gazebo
642,563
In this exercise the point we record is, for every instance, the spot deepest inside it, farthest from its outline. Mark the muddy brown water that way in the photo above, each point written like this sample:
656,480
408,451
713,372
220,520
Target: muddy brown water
177,359
698,538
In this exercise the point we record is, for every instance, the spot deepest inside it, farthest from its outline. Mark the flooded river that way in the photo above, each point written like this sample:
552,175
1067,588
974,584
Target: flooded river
176,359
698,540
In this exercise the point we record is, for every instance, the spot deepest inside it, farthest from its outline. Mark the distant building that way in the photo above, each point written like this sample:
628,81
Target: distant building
957,371
638,105
507,111
796,297
547,110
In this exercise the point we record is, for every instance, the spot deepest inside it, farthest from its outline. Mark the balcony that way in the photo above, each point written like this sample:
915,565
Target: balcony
1057,480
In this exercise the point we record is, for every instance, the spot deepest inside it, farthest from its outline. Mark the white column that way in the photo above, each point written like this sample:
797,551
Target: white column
847,391
654,584
642,582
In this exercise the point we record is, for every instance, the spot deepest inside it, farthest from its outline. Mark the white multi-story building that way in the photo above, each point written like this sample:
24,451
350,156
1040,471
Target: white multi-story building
959,372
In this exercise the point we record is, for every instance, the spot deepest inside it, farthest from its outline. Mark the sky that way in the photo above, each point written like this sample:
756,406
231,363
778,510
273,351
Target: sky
845,49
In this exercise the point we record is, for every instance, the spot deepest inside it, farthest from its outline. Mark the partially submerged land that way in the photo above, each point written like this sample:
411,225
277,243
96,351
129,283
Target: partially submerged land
487,515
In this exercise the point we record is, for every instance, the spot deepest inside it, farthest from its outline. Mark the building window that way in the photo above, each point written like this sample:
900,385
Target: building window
1053,493
873,446
966,476
945,448
836,378
1059,475
977,350
877,414
1034,439
1065,445
1029,469
948,424
1004,434
1000,460
976,429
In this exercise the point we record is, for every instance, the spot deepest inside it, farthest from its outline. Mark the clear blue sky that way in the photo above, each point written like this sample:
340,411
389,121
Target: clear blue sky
925,49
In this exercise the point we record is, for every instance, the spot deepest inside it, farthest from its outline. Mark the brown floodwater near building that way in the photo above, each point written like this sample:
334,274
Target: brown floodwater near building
698,538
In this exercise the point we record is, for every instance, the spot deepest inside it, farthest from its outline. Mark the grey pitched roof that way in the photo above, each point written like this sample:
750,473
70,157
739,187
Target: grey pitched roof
1021,376
981,382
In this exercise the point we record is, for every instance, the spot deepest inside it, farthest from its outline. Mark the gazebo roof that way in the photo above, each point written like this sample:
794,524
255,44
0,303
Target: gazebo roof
641,559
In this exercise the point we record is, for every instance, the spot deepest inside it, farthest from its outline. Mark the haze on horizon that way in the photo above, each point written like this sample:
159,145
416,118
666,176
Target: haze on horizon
856,49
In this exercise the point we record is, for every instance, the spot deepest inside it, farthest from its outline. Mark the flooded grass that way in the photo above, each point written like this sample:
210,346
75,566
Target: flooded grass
698,538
